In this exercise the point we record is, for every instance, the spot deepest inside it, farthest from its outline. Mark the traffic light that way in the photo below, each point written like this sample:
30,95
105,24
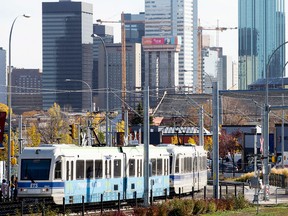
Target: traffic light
72,131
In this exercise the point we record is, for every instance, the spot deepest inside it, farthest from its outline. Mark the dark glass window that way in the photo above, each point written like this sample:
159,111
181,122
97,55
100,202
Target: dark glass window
89,169
58,170
131,167
117,168
98,169
80,169
35,169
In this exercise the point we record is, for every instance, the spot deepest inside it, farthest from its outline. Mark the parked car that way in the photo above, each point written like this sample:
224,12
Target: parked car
227,167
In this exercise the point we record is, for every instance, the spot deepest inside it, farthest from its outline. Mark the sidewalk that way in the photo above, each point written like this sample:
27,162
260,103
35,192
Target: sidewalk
281,196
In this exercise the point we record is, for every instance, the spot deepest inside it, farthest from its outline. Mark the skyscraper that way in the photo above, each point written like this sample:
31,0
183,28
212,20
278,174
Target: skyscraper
261,32
67,54
166,18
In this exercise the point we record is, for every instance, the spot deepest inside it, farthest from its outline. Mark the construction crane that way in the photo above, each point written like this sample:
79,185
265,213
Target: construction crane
200,47
123,47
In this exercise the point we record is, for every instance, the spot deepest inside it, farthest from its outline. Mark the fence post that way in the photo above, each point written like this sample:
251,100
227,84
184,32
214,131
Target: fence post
64,207
151,197
101,204
193,192
235,190
205,188
135,196
83,206
118,202
22,207
179,193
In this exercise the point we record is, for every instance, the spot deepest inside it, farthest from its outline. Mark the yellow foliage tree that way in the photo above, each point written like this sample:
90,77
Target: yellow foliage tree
33,137
176,140
191,140
120,126
4,108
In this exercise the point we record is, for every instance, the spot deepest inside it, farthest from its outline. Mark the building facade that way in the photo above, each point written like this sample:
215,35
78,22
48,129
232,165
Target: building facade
176,18
261,31
67,54
26,90
3,74
133,76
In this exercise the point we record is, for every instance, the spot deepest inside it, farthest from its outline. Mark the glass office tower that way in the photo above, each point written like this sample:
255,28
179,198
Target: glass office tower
176,18
261,32
67,54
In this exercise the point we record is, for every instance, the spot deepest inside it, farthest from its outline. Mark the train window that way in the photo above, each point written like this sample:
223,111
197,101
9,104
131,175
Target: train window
107,168
165,166
117,168
171,164
153,167
139,168
67,170
72,170
58,170
182,165
185,164
177,164
98,168
35,169
131,167
80,169
159,166
89,169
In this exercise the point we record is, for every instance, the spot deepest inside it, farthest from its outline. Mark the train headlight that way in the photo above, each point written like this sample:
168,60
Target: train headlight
23,190
45,189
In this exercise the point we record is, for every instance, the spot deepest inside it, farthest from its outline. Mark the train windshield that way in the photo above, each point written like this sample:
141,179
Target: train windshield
35,169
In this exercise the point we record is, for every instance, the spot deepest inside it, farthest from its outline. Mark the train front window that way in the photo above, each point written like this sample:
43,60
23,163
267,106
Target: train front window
35,169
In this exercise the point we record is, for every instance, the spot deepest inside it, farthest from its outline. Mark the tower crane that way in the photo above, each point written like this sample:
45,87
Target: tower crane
200,46
123,47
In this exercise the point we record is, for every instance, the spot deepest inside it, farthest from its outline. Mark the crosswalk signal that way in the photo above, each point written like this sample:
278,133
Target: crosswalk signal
72,131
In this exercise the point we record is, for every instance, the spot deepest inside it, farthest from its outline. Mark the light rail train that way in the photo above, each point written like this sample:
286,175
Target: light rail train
66,172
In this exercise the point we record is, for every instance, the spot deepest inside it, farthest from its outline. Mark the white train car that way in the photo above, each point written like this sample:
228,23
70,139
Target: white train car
188,168
66,173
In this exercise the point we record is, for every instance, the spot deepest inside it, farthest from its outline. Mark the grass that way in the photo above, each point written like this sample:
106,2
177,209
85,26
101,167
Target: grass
264,210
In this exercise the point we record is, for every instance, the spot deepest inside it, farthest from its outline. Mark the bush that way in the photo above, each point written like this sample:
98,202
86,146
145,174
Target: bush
200,207
240,202
181,207
211,206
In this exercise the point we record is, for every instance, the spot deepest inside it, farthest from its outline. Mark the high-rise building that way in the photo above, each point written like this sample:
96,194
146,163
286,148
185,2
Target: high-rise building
26,90
134,31
261,31
3,74
176,18
133,76
107,35
67,54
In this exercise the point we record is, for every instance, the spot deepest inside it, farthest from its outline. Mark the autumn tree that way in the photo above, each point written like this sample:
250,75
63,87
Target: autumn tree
228,144
55,128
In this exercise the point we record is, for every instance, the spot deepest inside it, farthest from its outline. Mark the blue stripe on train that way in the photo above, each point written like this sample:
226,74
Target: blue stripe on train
41,184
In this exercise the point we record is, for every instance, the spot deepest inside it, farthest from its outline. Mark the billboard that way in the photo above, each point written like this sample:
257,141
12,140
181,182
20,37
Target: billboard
161,40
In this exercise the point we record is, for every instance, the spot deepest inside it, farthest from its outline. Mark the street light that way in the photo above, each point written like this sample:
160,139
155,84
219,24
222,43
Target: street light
90,89
266,127
107,87
9,101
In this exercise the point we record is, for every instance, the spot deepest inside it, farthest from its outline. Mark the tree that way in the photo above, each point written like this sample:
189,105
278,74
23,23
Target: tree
33,136
138,116
228,144
55,128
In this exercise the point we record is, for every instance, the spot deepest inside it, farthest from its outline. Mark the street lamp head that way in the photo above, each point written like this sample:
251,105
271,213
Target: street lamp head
26,15
95,36
67,80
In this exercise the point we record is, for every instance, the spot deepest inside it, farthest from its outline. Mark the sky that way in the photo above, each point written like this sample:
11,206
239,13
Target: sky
26,42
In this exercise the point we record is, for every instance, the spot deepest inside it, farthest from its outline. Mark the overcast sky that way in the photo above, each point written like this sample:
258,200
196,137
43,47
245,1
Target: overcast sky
27,33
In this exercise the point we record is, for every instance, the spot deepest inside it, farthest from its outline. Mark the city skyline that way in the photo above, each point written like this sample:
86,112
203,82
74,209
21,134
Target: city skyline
27,33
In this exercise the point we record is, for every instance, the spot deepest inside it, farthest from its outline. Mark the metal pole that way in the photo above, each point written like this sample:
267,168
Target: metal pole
215,97
146,146
266,128
20,135
107,89
9,104
201,127
282,125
